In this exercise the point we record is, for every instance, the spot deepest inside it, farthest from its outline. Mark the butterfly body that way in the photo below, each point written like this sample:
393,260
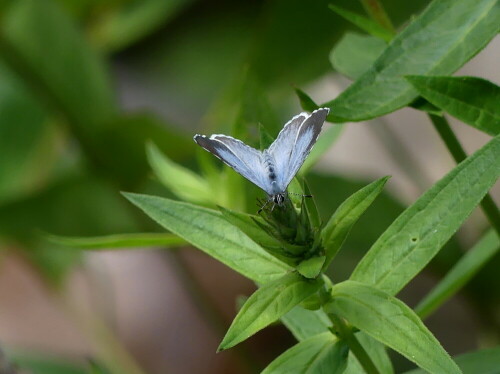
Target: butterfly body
274,168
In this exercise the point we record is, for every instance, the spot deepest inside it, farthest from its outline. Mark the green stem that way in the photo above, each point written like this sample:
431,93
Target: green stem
357,349
449,138
378,14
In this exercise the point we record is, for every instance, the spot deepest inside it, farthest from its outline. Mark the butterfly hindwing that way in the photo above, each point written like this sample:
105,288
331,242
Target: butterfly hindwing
244,159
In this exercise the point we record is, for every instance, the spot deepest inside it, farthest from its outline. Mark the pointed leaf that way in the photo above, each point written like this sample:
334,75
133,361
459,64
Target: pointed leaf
304,323
119,241
474,101
268,304
207,230
484,361
183,182
391,322
305,101
383,88
320,354
460,274
364,23
311,267
336,230
43,44
421,230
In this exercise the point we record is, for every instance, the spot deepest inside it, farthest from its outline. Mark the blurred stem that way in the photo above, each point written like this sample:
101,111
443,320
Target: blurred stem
393,145
455,148
378,14
107,347
357,349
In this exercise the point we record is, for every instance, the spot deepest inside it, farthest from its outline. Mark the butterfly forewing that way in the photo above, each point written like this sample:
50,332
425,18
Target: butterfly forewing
244,159
294,143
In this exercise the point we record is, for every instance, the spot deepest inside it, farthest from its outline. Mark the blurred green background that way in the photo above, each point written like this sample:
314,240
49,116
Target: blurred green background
84,84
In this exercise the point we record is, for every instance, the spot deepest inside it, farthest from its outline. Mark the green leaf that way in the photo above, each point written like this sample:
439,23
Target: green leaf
305,101
460,274
311,267
377,353
471,100
42,44
44,364
354,54
304,323
327,138
268,304
336,230
119,241
207,230
27,143
364,23
484,361
183,182
134,20
247,223
321,354
421,230
391,322
383,88
97,368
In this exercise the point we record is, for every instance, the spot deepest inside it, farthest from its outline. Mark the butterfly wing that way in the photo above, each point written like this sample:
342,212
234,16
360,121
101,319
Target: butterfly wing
294,142
245,160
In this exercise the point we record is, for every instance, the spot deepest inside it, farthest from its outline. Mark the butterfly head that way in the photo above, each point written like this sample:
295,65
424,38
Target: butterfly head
278,199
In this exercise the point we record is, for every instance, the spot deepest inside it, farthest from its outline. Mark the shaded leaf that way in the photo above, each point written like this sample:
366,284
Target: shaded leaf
460,274
304,323
268,304
421,230
119,241
383,88
311,267
470,99
183,182
355,53
337,228
364,23
377,353
391,322
319,354
484,361
207,230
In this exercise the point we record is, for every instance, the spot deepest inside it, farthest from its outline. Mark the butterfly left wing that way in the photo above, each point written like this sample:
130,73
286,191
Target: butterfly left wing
294,143
244,159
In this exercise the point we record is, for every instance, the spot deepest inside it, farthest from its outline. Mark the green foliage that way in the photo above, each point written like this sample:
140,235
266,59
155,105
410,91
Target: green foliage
320,354
384,89
391,322
267,304
471,100
462,272
420,232
67,148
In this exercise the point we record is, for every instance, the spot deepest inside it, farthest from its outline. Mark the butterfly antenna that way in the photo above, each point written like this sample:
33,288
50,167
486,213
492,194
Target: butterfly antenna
263,206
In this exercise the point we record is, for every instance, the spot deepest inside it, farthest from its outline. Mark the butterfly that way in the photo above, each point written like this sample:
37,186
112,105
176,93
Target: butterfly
274,168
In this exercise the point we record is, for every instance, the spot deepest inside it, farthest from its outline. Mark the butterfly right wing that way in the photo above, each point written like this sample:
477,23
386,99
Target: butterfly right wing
244,159
294,142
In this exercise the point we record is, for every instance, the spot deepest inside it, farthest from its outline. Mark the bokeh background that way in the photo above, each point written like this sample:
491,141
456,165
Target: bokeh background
84,84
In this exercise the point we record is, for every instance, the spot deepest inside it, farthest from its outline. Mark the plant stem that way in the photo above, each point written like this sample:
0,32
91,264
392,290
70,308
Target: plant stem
357,349
378,14
449,138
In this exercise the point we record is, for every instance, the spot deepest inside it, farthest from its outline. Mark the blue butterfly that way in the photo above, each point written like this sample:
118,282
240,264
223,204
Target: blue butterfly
274,168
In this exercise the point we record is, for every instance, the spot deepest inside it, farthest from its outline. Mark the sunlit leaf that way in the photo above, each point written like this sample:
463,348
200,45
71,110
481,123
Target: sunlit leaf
391,322
383,88
421,230
321,354
268,304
